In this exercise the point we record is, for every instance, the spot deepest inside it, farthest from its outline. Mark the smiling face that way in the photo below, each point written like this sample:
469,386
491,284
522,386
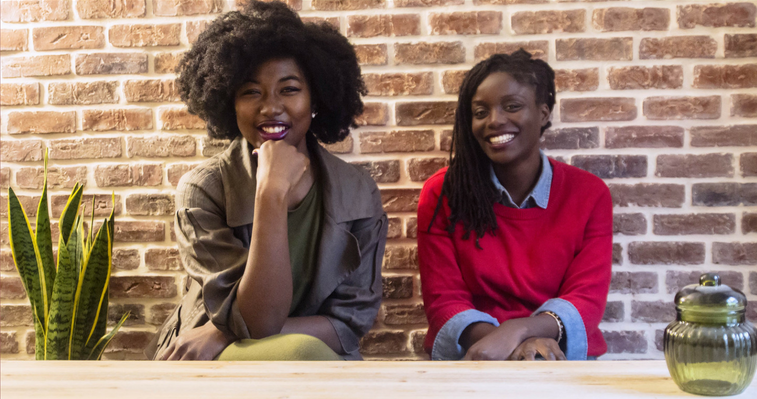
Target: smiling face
275,104
507,121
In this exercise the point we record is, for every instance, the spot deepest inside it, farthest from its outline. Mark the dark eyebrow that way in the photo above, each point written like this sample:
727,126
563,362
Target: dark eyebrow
285,78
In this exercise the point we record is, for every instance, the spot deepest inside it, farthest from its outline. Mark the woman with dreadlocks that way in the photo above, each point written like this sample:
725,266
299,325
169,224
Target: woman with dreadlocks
515,248
281,240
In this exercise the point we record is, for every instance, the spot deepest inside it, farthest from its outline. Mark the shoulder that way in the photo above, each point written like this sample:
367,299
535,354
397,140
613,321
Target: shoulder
432,188
200,184
578,180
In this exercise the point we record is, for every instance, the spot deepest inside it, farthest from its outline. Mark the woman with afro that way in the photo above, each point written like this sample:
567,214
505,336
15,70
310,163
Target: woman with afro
515,249
282,241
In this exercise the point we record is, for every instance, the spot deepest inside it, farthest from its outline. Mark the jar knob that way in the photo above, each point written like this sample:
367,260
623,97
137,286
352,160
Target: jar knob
709,280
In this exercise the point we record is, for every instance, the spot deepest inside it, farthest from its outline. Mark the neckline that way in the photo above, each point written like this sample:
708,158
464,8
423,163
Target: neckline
536,212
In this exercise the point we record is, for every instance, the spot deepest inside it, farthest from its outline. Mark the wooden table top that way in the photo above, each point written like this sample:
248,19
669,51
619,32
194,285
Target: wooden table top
389,380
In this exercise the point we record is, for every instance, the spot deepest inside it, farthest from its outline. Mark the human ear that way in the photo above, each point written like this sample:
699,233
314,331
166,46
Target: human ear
545,114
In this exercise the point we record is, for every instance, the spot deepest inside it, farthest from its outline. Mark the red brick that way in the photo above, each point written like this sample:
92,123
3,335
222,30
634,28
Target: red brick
40,65
167,62
705,165
725,136
734,15
401,257
701,223
466,23
597,109
671,108
397,287
612,49
625,341
374,114
159,313
734,253
342,147
741,45
19,94
384,25
452,80
725,76
399,84
140,231
395,229
111,63
144,35
445,140
41,122
647,195
117,310
426,3
677,47
633,283
14,39
124,175
396,141
293,4
371,54
382,171
724,194
8,342
5,177
28,203
333,21
153,90
98,9
425,113
539,49
194,28
429,53
418,338
57,177
15,316
639,77
749,223
618,19
150,205
4,236
666,253
384,342
125,259
162,259
20,150
82,93
420,169
176,171
179,119
630,224
576,79
211,147
34,10
173,8
400,199
536,22
12,288
68,38
159,147
644,137
117,119
744,105
570,138
753,290
404,314
614,312
103,205
345,5
612,166
653,312
85,148
748,164
129,342
677,280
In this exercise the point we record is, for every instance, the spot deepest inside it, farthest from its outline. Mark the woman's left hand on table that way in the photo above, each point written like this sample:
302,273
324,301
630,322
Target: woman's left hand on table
546,347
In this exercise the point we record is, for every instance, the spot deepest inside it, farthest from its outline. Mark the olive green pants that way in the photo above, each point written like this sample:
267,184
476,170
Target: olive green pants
279,347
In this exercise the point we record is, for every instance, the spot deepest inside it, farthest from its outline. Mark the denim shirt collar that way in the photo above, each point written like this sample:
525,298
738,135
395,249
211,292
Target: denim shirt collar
539,196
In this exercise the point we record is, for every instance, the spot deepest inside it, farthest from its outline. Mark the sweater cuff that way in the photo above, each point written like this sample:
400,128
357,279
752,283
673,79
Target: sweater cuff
446,344
575,343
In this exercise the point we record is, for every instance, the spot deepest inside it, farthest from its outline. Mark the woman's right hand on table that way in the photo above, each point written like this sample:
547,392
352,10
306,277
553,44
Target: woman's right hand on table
280,167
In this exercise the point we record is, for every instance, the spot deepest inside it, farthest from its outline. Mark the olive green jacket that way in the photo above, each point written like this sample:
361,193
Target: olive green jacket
215,203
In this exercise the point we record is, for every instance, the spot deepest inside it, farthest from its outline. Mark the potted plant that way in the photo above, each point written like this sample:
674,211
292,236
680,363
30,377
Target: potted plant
69,300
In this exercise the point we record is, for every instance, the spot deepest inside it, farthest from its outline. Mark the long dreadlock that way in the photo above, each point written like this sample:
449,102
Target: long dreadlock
467,184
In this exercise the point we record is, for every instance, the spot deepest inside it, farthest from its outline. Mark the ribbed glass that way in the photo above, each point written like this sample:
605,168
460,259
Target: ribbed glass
711,359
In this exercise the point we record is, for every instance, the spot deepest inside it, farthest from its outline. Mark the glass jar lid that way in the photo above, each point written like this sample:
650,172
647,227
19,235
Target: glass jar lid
709,300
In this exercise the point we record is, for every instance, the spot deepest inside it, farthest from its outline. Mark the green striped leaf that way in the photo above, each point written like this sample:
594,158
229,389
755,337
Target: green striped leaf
40,338
102,343
44,243
91,289
68,218
62,304
24,251
99,328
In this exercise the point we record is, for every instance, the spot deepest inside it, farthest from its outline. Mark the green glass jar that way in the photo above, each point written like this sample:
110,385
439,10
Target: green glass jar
711,349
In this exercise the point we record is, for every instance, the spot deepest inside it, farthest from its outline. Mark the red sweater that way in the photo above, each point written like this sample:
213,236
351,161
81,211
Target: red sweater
564,251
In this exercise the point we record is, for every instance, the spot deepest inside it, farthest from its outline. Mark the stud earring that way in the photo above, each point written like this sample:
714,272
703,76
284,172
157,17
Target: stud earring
313,114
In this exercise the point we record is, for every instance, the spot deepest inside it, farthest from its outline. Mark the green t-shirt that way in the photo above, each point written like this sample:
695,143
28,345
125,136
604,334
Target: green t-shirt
304,231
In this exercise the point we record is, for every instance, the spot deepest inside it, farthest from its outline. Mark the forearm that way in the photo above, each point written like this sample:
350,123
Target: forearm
265,289
315,326
541,326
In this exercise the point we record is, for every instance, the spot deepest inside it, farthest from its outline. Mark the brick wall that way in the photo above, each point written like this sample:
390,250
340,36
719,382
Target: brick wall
656,97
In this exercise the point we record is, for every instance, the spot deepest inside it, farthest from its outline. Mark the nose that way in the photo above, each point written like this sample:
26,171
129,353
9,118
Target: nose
271,106
497,118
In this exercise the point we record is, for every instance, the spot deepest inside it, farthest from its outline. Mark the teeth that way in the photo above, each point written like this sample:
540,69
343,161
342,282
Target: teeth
273,129
505,138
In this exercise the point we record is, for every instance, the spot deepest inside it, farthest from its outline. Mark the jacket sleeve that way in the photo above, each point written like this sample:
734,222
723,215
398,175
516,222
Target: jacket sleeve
212,255
352,307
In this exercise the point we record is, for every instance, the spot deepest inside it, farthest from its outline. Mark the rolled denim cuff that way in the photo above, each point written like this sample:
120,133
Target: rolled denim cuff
446,345
574,343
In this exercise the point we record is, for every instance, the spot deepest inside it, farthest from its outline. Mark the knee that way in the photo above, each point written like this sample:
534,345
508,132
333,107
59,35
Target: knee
306,347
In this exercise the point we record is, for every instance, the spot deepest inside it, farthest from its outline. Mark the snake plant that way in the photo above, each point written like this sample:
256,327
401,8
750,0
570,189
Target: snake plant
69,300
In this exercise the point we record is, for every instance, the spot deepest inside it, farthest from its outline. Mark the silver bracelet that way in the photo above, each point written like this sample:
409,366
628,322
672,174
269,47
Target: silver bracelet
559,324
